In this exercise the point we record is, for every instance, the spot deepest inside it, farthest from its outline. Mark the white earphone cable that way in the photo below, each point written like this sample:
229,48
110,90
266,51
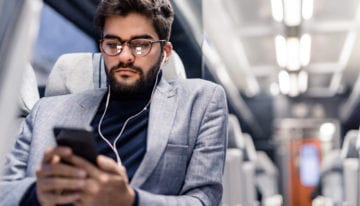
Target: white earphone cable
113,146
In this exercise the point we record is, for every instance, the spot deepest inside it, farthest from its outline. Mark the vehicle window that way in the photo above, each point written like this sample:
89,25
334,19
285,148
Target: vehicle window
57,36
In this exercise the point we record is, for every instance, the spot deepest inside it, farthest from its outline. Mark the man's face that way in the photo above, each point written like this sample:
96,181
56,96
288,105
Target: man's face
129,74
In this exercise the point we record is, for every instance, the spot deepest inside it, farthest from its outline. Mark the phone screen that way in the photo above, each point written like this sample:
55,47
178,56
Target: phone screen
81,141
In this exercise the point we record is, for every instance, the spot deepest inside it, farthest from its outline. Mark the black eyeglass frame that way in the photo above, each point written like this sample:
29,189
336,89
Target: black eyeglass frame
132,49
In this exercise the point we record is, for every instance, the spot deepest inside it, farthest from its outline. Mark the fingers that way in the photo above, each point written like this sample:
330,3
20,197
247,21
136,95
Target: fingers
54,188
109,165
91,187
59,177
62,170
57,153
80,162
51,165
52,198
54,184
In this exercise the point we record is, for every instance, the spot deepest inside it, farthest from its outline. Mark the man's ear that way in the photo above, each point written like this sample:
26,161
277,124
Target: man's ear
167,51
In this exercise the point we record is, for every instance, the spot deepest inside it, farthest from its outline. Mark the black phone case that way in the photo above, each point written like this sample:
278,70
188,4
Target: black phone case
81,141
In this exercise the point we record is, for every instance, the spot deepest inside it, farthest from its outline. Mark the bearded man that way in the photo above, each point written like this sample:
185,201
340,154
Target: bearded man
159,142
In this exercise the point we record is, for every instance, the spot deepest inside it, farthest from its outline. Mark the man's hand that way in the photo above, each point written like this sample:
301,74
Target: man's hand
81,182
58,183
106,185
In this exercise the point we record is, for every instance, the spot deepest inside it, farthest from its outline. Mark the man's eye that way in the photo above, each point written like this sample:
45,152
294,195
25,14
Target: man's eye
142,45
112,45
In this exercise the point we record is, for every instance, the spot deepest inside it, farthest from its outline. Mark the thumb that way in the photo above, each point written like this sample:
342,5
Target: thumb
107,164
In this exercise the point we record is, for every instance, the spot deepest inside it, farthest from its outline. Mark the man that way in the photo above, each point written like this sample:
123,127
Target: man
160,143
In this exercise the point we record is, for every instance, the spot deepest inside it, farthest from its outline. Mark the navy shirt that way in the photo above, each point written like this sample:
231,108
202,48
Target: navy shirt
131,145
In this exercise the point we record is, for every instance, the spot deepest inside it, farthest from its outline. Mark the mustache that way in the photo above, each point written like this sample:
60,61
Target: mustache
124,65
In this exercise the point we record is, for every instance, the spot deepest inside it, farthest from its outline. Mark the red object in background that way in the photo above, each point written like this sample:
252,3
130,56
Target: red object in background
304,163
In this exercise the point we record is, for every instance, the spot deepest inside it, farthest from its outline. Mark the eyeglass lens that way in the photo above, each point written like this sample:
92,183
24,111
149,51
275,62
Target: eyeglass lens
138,47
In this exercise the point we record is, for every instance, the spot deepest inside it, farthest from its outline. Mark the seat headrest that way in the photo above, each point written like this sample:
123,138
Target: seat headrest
76,72
250,151
29,93
235,138
174,68
348,149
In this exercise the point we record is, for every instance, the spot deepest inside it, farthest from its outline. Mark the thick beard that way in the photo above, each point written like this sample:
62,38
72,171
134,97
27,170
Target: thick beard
142,86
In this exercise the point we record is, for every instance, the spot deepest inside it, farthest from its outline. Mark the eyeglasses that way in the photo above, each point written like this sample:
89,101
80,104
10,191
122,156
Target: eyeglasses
138,47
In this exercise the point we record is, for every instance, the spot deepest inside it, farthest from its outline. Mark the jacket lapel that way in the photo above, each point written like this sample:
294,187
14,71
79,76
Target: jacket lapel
162,114
82,115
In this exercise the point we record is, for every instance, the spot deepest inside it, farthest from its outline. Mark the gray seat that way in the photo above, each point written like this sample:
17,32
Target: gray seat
249,171
76,72
349,149
233,194
250,151
350,156
246,169
235,138
331,177
239,176
28,96
29,93
339,171
266,175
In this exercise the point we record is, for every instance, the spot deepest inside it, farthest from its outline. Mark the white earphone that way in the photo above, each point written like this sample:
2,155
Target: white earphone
164,59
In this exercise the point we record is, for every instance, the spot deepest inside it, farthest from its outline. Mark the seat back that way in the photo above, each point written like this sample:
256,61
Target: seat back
235,137
250,151
350,156
239,175
29,93
28,96
233,193
331,177
349,149
266,175
76,72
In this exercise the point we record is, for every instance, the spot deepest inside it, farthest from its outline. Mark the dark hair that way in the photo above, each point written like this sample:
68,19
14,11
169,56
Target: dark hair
160,11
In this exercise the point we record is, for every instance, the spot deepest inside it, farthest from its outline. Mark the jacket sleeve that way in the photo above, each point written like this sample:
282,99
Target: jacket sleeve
203,181
16,179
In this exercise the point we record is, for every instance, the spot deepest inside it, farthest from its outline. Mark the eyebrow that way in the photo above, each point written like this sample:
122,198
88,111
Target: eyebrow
142,36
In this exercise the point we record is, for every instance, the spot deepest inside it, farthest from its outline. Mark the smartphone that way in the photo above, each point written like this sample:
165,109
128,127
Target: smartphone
81,141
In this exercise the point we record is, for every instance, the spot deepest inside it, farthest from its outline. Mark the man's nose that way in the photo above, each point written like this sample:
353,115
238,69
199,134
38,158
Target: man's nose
126,55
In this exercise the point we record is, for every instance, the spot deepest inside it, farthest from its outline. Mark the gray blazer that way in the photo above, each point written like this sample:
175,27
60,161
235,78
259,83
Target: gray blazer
184,161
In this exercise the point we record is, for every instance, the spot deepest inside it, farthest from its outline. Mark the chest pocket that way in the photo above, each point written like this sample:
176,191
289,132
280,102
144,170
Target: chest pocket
172,169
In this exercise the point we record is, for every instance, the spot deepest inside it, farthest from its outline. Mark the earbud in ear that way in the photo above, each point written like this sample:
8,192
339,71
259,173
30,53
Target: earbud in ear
164,58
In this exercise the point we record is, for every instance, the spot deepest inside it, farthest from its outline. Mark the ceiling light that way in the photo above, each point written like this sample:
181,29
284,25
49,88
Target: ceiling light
293,85
307,9
293,54
280,46
274,89
302,81
305,49
292,12
277,10
284,82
